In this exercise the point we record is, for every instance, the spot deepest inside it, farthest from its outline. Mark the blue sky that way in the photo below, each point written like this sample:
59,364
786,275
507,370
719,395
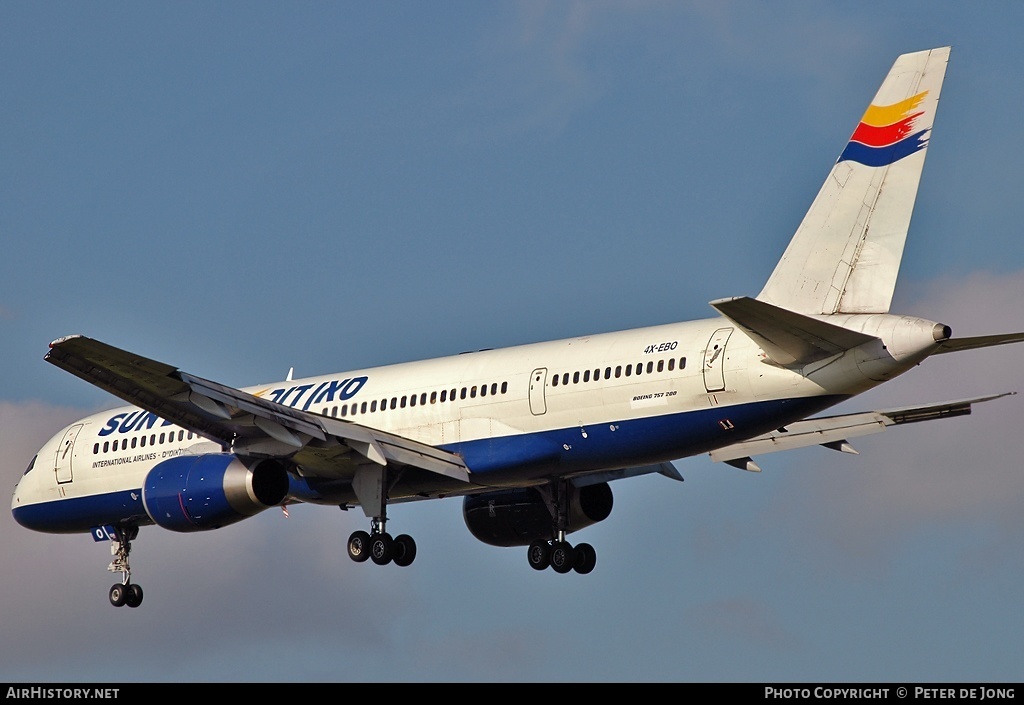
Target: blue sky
240,188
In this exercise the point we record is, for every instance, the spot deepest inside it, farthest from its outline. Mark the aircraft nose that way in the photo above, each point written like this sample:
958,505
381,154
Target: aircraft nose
26,513
19,493
16,503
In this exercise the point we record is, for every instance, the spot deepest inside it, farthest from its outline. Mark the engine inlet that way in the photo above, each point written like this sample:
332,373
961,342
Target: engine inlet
941,332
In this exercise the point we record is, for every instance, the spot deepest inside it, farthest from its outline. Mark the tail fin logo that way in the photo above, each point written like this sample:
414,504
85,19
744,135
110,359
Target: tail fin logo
886,134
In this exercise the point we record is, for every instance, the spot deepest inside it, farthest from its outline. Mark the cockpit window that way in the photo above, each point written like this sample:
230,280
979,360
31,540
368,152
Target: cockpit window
31,463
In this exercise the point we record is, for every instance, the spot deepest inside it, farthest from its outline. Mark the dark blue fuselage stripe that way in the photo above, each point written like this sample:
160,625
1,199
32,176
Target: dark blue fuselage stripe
634,442
77,514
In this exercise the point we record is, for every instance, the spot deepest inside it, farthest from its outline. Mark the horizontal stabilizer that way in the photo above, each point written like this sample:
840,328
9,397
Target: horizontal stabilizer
981,341
788,338
834,431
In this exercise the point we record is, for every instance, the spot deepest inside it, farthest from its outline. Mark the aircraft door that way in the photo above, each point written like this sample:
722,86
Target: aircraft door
714,361
65,454
538,381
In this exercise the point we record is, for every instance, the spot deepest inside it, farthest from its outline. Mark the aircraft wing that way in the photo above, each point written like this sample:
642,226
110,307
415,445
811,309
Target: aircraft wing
320,445
834,432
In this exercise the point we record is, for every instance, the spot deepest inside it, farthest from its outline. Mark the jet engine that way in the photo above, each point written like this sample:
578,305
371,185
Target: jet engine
203,492
517,517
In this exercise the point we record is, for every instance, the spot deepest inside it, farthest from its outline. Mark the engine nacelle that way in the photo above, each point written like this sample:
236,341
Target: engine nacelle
203,492
517,517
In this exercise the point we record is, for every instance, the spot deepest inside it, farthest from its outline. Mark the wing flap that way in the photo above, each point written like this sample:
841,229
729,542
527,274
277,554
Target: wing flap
805,433
232,398
399,449
835,431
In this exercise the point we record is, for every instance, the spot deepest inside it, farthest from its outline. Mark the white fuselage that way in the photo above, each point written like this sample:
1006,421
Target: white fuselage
519,415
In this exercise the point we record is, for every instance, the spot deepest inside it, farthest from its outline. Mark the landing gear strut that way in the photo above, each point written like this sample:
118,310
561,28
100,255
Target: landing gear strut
126,592
370,485
559,554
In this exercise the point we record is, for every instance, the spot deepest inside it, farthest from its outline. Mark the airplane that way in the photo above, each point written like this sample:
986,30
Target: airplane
530,437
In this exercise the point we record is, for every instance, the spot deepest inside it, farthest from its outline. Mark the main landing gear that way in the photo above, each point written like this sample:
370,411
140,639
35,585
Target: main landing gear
370,485
378,546
558,554
561,556
126,592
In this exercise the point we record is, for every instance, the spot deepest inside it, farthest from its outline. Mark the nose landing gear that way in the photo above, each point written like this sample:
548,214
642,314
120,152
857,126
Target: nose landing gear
126,592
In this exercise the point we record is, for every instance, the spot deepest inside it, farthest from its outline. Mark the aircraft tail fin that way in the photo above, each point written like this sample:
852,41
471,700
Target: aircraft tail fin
845,256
